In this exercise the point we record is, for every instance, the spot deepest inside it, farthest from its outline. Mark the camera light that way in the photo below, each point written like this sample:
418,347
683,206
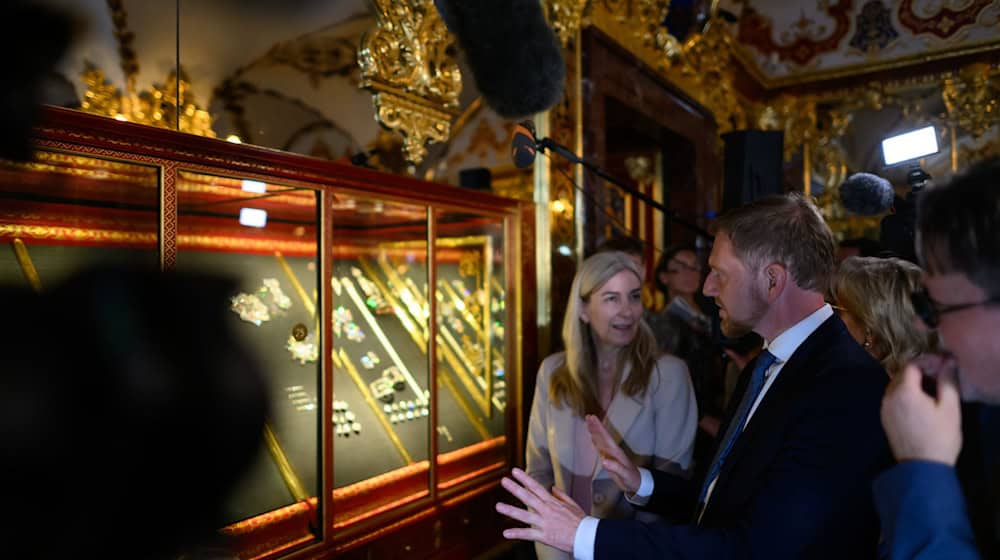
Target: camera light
910,145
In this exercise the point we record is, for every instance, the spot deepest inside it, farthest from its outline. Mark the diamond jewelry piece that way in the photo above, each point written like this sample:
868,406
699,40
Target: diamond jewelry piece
250,308
302,350
424,411
409,415
387,408
354,332
349,416
272,286
356,427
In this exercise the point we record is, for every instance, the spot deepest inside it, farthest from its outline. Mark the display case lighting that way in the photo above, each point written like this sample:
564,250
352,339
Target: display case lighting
253,217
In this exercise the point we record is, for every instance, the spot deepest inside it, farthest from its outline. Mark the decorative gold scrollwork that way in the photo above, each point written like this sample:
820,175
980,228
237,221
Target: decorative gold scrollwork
415,82
651,32
707,59
567,17
972,101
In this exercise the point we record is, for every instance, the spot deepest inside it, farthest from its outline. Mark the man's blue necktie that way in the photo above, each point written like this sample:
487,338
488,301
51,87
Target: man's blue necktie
764,361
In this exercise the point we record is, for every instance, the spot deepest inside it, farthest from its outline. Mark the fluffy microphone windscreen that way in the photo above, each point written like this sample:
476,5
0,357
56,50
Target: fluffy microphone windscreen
513,54
40,35
866,194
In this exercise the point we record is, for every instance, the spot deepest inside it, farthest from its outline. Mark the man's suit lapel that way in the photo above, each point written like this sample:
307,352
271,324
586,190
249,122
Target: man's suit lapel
771,415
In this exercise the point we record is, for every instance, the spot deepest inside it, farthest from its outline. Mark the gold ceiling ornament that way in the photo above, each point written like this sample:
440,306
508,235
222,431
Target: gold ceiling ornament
795,116
972,100
169,105
652,33
415,82
707,62
567,17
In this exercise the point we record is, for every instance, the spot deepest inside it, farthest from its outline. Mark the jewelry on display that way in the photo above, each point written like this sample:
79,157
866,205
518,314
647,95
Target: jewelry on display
416,326
370,360
342,361
302,350
306,300
382,390
354,332
386,344
373,296
392,375
299,332
443,430
272,288
250,308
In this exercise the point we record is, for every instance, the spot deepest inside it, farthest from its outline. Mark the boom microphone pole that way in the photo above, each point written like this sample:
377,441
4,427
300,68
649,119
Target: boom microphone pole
524,148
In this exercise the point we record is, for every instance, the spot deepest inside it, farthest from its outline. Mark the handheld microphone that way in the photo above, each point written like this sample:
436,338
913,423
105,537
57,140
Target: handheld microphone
524,145
866,194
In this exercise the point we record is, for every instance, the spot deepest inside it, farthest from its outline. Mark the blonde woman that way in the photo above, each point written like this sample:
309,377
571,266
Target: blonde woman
610,369
873,295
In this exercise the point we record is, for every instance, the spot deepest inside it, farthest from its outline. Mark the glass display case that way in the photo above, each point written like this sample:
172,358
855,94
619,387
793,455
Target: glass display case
385,311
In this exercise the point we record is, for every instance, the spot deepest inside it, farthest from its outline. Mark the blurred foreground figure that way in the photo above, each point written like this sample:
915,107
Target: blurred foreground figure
128,411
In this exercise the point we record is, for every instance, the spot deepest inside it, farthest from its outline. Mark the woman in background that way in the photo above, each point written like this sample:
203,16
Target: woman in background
612,370
873,299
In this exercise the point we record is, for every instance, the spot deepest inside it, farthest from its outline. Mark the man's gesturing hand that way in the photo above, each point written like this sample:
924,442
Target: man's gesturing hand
625,474
552,518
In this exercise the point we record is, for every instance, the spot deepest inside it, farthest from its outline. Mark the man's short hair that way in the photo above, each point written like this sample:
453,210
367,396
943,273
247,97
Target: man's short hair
958,226
627,245
786,229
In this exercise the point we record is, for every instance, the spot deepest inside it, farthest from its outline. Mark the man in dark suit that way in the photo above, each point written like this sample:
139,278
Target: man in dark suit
800,442
920,500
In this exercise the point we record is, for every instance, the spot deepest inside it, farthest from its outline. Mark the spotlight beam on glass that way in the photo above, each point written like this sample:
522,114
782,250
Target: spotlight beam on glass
910,145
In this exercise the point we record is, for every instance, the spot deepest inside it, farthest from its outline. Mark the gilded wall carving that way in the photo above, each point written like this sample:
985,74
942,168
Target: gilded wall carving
972,99
415,82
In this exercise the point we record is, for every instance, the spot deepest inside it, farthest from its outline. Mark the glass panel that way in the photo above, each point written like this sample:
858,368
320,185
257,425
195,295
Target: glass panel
471,318
63,212
380,380
123,63
266,236
280,75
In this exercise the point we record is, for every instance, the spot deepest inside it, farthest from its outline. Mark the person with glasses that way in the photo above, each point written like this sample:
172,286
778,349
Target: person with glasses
800,444
920,500
872,297
683,329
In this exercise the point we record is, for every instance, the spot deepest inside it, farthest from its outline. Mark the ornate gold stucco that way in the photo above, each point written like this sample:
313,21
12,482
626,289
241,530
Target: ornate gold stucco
972,101
415,82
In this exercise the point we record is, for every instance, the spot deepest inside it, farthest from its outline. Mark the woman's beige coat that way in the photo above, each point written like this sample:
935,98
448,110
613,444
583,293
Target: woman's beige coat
656,429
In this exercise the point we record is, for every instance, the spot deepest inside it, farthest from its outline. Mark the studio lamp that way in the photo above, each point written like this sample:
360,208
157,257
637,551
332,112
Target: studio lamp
907,149
898,229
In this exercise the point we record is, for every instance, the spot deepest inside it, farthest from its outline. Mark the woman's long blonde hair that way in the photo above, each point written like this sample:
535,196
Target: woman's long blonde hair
877,292
575,382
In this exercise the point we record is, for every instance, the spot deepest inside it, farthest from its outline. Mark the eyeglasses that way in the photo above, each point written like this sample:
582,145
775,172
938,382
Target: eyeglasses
930,311
683,266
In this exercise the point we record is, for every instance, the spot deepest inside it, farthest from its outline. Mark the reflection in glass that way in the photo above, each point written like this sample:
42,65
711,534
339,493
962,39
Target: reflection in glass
266,236
63,212
471,319
381,376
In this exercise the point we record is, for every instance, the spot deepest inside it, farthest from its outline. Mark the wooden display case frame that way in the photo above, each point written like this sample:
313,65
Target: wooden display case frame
472,473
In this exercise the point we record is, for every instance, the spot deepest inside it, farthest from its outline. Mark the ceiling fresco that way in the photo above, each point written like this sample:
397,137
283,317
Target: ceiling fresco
785,42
